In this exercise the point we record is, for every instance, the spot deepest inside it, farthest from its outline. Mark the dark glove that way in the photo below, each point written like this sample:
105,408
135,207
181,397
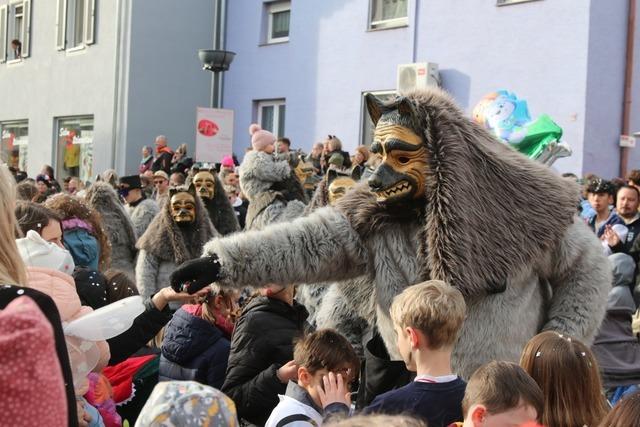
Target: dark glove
191,276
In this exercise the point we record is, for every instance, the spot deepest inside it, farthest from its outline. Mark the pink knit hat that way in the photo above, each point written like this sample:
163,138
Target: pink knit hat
31,383
227,161
260,138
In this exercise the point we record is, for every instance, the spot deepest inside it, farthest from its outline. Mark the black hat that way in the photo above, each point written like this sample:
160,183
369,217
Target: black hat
599,186
133,181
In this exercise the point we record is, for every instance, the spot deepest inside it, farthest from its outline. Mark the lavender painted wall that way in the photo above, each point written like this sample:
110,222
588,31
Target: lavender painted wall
564,57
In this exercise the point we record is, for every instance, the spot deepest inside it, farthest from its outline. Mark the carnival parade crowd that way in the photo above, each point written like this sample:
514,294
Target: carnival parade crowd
110,315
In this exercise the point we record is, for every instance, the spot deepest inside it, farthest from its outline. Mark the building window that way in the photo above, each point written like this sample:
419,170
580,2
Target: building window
15,30
507,2
14,142
388,14
74,147
278,17
271,116
366,131
75,23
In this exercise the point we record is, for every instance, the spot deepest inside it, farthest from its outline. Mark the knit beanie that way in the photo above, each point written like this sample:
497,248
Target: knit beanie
260,138
31,382
337,160
37,252
227,161
187,403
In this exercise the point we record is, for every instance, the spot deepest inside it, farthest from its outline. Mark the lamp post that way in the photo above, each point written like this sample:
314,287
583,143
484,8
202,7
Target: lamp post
216,61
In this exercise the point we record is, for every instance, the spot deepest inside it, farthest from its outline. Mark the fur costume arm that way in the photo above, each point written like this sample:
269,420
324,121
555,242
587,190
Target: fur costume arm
147,273
580,278
317,248
265,168
143,215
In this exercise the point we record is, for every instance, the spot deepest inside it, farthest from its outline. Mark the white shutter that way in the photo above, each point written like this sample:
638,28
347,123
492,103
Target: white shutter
3,33
26,28
90,22
61,25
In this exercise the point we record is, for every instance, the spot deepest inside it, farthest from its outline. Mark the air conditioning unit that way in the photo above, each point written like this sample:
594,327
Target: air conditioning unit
417,76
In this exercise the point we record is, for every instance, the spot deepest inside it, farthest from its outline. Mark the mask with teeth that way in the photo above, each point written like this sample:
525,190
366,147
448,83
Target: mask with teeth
183,207
401,174
337,186
205,184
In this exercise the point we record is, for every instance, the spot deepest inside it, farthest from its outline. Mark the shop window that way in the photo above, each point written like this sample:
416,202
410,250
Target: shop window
75,148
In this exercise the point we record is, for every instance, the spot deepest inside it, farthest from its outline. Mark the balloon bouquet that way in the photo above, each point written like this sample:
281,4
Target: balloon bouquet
507,117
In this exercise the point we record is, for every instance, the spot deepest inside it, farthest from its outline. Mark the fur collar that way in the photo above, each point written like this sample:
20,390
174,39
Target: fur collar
489,210
165,240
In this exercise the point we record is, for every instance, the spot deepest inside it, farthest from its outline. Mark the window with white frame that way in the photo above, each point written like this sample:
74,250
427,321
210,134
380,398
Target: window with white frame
271,115
75,23
388,14
74,147
15,30
278,17
14,139
366,131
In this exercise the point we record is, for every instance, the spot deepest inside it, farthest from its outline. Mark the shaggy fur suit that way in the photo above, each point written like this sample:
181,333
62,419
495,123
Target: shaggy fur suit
494,224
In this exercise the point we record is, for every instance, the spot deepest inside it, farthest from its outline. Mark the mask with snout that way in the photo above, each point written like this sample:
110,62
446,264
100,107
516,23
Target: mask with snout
337,186
401,174
205,184
183,207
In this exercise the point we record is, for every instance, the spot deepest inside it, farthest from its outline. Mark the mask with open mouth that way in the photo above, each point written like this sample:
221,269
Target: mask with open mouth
183,207
205,184
401,174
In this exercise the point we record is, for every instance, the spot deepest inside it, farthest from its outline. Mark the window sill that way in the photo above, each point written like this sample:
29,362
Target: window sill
390,26
76,50
500,3
14,62
271,43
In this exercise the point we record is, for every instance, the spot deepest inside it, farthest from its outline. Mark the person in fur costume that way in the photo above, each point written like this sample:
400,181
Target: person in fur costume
448,202
261,178
141,210
210,189
116,223
177,234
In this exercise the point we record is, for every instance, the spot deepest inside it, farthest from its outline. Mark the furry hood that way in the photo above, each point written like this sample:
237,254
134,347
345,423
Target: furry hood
488,210
115,220
165,240
221,213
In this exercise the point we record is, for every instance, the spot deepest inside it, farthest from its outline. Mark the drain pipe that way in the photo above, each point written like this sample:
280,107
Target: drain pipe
628,81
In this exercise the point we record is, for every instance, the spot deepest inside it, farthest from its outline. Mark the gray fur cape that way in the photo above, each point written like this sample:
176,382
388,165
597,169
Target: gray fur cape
494,224
165,245
142,214
116,222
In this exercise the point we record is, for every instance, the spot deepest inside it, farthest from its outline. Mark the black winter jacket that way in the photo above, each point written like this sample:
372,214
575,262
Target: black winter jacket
261,343
193,350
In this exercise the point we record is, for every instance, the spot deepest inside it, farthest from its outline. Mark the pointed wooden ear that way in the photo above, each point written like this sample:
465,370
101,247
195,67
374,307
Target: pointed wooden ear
405,106
331,175
356,174
374,107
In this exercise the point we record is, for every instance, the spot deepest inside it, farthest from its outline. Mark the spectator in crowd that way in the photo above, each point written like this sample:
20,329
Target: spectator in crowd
315,158
599,194
147,159
360,159
117,225
502,394
176,179
140,209
180,162
239,205
48,171
197,339
336,163
227,164
26,190
65,184
187,404
376,421
16,46
161,185
164,156
633,179
568,374
147,184
45,188
283,145
75,186
321,356
427,318
627,202
625,413
334,146
261,359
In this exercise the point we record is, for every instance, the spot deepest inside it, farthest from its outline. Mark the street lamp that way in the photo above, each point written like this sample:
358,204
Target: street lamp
216,61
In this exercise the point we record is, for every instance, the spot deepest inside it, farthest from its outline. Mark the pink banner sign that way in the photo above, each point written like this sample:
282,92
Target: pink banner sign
214,134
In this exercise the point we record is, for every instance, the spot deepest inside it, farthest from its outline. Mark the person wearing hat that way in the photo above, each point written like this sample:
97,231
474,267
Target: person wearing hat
161,185
259,174
140,209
